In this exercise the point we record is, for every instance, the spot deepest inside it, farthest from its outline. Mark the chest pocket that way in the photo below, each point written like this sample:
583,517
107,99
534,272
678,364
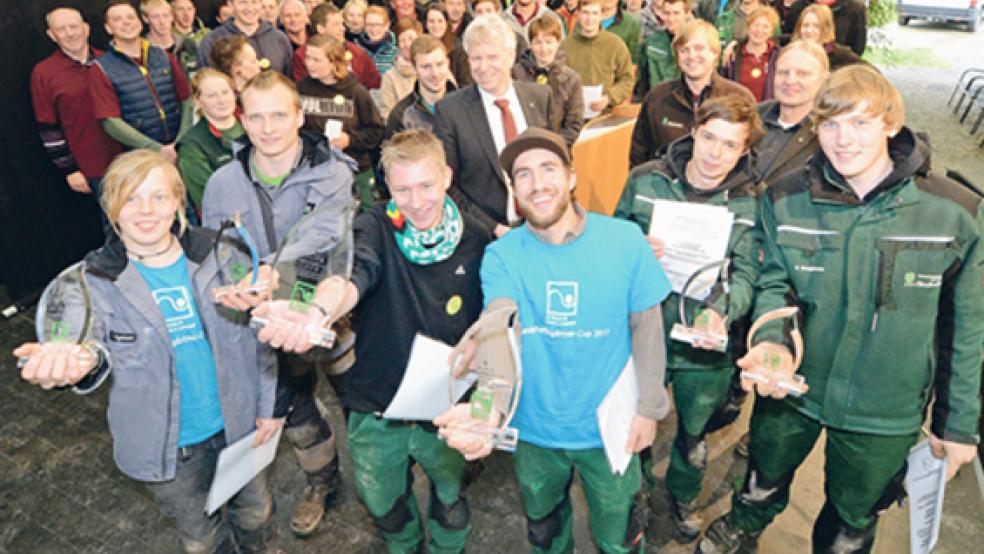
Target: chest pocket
910,270
810,254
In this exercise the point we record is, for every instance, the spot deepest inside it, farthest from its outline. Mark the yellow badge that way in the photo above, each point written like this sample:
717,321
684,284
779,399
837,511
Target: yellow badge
264,64
542,79
454,305
338,99
756,73
348,56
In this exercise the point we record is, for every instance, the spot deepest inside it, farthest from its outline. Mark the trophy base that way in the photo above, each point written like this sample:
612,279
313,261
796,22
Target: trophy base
794,384
505,439
691,336
219,292
322,337
86,355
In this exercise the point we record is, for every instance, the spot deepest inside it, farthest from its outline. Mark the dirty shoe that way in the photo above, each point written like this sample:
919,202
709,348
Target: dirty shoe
687,520
723,537
310,509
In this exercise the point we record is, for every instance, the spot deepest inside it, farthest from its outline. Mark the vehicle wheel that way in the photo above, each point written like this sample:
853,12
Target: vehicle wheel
903,20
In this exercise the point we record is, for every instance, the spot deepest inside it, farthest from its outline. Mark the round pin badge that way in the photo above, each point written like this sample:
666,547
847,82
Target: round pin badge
338,99
454,305
542,79
756,73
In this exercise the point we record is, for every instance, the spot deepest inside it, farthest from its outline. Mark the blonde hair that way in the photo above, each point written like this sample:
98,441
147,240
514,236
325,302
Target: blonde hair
147,5
859,85
694,28
412,146
334,50
824,16
202,75
127,172
813,49
767,12
490,29
356,4
268,80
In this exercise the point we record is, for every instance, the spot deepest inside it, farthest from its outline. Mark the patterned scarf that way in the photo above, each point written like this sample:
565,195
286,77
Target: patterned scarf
432,245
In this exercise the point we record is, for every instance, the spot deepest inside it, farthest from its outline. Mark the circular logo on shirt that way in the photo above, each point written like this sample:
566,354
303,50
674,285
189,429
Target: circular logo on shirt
756,73
454,305
338,99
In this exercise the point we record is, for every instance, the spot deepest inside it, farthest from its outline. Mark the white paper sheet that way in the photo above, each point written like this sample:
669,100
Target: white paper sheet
694,235
615,414
423,393
925,481
238,463
592,93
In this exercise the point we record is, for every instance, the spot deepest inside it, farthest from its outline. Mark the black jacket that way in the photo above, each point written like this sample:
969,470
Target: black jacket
349,102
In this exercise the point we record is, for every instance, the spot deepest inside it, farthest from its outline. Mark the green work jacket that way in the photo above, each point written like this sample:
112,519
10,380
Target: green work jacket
890,291
664,179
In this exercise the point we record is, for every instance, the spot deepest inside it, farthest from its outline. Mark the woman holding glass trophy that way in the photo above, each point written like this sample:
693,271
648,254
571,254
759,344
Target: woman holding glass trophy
709,167
139,308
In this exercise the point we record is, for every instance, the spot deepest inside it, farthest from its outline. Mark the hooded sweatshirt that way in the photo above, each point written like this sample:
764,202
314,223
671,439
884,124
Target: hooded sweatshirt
665,179
565,83
268,41
349,102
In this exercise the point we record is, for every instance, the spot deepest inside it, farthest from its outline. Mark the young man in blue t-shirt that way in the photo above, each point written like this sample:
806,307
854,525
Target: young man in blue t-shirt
588,290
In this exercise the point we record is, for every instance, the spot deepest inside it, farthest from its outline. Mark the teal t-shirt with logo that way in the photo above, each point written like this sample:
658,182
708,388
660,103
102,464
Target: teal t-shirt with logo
574,303
201,412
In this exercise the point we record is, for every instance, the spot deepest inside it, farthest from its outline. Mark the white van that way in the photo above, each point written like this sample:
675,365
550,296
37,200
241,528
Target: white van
963,11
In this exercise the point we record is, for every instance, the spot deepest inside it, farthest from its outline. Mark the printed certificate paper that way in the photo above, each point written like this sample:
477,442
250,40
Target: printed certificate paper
238,463
694,236
925,480
423,393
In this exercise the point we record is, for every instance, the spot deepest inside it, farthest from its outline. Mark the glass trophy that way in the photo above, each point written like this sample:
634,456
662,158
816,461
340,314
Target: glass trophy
498,372
314,250
684,331
769,371
64,317
231,273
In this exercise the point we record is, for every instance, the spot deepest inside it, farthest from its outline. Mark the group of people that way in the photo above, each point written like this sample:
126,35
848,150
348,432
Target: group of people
468,207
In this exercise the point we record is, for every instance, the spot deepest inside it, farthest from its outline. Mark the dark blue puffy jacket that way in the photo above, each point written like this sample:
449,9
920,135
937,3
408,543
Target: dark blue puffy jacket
148,99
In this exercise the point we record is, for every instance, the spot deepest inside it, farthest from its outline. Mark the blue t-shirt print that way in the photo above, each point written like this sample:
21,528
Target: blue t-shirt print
574,304
201,412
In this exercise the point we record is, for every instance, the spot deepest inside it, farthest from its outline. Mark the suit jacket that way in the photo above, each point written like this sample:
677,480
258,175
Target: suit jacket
780,152
479,186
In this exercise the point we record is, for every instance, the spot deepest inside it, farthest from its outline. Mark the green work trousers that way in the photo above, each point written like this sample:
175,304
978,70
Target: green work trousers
381,453
545,476
858,471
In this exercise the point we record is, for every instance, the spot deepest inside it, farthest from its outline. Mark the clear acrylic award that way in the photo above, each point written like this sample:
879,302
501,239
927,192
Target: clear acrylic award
64,317
697,332
314,250
498,372
230,275
769,370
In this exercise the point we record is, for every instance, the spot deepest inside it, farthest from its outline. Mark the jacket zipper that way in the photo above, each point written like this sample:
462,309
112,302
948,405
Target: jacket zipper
153,90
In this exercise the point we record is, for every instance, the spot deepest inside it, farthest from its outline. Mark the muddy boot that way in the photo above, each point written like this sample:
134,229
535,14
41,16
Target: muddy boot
688,521
311,507
724,537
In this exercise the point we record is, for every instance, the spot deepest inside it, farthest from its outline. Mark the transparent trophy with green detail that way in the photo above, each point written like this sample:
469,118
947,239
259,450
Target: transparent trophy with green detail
769,368
318,251
232,239
489,350
698,332
64,317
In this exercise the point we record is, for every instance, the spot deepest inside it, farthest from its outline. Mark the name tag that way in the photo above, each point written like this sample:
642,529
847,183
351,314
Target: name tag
117,336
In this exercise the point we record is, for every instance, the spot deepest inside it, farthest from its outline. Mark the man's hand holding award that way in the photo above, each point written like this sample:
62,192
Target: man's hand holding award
489,349
770,367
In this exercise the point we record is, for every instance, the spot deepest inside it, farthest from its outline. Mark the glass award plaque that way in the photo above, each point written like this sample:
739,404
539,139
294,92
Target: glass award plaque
64,317
697,332
768,370
314,250
230,275
496,366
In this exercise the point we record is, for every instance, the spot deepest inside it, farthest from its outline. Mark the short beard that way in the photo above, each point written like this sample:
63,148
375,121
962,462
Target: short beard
548,220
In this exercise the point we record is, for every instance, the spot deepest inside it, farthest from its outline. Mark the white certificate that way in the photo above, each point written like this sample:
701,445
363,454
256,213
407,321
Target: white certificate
925,480
423,392
238,464
694,235
592,93
615,415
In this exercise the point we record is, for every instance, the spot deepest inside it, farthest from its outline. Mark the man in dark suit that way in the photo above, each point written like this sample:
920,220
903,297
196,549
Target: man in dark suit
478,121
789,139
